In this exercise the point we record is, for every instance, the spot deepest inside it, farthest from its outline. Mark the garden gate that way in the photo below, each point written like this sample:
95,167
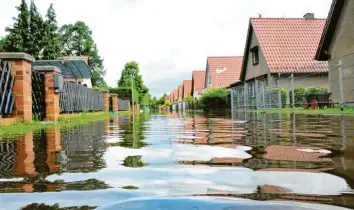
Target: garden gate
7,99
38,95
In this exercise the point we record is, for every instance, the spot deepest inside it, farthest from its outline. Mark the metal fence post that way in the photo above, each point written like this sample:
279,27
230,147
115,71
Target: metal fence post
341,88
262,89
232,100
292,91
245,96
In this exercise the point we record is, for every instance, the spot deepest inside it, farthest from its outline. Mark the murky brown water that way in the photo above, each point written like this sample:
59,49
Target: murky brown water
267,157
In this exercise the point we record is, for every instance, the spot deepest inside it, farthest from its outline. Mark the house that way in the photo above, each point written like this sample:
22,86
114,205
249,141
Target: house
171,97
276,49
198,83
73,68
180,92
175,95
222,71
187,88
337,47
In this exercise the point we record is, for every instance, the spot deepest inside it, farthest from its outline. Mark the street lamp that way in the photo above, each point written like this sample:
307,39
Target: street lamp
132,84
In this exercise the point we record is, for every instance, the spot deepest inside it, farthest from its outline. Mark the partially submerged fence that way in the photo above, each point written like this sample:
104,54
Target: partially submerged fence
78,98
7,99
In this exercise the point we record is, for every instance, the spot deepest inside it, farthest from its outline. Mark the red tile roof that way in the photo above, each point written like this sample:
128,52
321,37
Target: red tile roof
290,44
231,65
198,81
171,97
180,92
175,94
187,88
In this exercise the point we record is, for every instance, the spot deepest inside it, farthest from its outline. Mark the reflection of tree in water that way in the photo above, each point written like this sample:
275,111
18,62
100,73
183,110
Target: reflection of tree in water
42,206
134,162
43,185
84,146
133,135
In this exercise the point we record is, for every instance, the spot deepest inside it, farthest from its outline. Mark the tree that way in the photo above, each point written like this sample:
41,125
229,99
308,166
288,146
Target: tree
52,42
37,31
3,42
77,41
125,79
154,103
162,99
18,39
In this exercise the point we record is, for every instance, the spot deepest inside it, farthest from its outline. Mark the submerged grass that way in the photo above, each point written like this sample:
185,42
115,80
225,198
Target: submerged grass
63,122
326,111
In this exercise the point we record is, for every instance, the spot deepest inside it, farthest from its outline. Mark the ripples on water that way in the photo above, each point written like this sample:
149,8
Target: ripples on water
266,157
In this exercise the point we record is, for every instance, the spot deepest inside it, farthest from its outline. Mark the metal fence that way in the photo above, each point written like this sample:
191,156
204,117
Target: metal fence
78,98
123,105
7,99
255,95
319,85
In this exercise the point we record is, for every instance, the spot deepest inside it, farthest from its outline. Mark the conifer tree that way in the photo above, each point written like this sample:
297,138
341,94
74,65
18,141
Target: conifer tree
37,31
52,46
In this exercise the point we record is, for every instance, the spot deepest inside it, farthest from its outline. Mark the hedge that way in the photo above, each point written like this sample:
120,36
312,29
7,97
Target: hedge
216,99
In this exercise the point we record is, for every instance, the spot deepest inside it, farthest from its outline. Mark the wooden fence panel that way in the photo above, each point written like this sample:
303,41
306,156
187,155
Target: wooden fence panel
77,98
123,105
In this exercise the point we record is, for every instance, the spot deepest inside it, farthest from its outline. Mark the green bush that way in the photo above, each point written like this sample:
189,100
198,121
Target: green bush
215,99
283,94
300,96
125,93
316,90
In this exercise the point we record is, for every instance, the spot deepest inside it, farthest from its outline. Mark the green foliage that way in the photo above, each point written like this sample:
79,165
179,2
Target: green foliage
189,99
52,40
77,41
283,94
37,31
299,94
215,99
146,100
125,79
3,42
134,162
125,93
18,39
316,90
154,104
162,99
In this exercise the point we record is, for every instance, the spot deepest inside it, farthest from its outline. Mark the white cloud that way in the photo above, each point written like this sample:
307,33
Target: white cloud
168,38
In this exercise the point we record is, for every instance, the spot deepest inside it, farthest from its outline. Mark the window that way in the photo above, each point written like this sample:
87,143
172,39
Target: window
255,55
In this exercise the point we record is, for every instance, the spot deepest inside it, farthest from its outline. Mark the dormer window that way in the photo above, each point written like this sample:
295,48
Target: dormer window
255,55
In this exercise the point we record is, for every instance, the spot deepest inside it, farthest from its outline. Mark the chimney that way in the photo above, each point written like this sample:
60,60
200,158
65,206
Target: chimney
259,15
309,16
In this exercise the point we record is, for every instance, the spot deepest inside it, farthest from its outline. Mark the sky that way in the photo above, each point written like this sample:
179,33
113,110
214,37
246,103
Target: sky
168,38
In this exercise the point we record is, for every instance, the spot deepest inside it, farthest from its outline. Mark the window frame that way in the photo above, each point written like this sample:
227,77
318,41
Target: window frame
255,55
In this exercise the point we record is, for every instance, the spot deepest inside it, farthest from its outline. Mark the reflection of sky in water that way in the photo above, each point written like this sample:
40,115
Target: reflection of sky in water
162,176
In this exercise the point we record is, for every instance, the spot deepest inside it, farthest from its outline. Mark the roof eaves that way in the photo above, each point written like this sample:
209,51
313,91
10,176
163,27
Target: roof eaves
245,54
329,30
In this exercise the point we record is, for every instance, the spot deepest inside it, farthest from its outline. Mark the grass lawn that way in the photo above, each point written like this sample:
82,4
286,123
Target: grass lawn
326,111
66,122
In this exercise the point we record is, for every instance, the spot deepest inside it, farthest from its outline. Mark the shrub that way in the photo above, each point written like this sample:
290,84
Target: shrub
312,90
300,96
215,99
125,93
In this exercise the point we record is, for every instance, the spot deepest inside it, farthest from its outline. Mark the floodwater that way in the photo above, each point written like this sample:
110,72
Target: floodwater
170,161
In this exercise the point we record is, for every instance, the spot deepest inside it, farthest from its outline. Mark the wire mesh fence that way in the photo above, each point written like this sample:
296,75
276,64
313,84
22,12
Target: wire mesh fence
309,87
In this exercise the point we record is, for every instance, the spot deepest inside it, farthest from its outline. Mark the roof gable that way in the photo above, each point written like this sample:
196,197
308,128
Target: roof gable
329,30
224,70
198,80
187,88
288,44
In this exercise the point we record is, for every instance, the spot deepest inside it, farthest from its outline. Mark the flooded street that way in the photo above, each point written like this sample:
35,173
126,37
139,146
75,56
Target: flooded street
265,157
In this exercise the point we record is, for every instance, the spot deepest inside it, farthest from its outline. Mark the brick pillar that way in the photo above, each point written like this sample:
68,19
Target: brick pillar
51,97
114,102
53,146
22,70
106,100
129,106
25,155
137,109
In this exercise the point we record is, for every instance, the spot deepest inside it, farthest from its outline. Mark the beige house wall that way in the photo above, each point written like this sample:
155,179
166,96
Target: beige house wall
261,68
342,49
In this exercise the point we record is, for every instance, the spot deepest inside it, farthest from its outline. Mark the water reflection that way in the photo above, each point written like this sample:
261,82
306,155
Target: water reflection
248,155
